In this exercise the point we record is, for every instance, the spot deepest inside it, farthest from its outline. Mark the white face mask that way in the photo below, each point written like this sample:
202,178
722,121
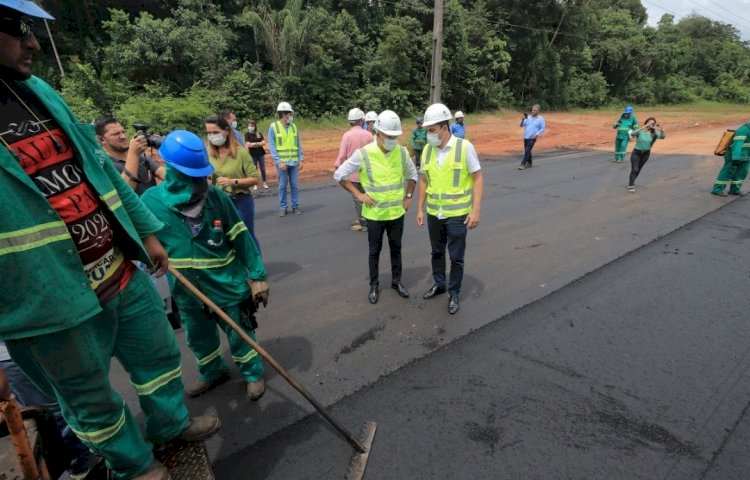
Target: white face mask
290,118
433,139
218,139
251,129
390,144
234,124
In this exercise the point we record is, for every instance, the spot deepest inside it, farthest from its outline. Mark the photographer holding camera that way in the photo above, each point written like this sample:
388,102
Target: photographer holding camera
128,157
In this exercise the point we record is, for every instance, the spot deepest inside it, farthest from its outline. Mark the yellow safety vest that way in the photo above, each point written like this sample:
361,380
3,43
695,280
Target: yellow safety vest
286,142
383,181
449,187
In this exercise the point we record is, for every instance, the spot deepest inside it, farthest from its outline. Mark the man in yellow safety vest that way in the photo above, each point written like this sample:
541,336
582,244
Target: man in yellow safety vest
451,187
388,178
286,151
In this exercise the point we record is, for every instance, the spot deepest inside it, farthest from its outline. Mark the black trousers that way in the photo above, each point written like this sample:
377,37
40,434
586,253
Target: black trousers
637,160
395,231
448,233
528,144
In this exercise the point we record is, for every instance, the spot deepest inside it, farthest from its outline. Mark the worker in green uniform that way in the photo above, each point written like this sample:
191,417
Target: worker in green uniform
210,244
70,296
736,164
417,141
626,123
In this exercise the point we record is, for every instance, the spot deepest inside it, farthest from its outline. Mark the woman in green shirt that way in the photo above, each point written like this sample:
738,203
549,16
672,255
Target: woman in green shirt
234,171
644,140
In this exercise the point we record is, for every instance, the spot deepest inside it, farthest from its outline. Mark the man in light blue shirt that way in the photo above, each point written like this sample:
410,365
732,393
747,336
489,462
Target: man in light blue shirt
286,151
533,127
458,129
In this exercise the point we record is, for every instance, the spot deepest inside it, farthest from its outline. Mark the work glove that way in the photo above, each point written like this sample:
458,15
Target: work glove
259,290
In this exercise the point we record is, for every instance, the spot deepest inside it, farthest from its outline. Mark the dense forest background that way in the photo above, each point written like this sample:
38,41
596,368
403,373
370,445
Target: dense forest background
170,62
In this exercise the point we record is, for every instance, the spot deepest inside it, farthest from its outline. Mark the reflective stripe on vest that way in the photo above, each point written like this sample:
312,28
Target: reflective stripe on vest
202,263
33,237
286,142
388,197
448,195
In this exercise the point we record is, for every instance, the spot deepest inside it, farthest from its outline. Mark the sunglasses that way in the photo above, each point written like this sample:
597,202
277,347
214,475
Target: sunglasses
16,27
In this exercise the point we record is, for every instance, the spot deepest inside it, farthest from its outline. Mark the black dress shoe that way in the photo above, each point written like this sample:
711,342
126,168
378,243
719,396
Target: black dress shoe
400,289
453,304
373,296
433,292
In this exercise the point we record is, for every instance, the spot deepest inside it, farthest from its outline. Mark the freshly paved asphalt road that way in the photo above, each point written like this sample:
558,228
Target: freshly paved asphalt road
592,342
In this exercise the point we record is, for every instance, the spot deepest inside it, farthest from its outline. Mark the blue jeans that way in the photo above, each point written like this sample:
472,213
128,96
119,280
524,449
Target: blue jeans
528,144
79,457
451,233
260,164
245,206
288,177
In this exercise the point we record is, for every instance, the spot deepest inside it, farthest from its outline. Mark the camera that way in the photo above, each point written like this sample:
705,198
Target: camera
153,141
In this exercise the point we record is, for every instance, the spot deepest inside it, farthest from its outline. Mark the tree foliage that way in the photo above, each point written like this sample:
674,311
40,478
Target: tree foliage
173,61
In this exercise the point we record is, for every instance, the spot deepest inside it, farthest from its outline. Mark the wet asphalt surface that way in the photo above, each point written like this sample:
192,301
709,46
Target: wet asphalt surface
602,334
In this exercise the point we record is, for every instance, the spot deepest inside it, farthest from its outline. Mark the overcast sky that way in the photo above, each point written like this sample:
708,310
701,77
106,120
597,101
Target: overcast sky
735,12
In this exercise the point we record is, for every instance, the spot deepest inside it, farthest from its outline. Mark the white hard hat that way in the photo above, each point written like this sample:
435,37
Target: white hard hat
284,107
371,116
356,114
436,113
388,123
459,114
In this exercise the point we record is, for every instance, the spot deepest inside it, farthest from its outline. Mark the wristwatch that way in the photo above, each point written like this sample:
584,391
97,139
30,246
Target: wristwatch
236,182
409,195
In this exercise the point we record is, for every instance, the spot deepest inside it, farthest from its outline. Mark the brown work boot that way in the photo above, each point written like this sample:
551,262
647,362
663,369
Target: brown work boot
200,387
200,428
156,471
255,390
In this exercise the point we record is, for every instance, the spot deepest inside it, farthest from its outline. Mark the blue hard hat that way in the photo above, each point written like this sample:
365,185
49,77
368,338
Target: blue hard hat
420,120
26,7
628,109
186,152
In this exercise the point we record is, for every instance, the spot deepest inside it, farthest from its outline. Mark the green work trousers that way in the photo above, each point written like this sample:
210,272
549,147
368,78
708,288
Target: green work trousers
733,173
73,366
202,334
621,147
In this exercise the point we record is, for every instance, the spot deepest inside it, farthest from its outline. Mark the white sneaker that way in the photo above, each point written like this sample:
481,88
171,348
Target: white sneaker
265,185
255,187
631,189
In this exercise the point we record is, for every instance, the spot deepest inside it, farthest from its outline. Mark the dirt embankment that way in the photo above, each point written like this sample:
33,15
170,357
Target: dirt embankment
688,131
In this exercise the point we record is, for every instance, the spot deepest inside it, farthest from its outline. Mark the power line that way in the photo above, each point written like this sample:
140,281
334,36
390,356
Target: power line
731,21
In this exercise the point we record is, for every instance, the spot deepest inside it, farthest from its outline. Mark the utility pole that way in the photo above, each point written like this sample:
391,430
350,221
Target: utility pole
436,78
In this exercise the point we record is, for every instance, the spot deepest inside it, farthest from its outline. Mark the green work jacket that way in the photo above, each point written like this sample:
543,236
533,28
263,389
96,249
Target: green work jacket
43,286
624,125
218,265
739,150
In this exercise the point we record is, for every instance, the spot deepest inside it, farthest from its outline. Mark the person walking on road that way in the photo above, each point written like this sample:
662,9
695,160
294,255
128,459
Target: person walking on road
736,164
645,140
286,150
70,296
451,188
354,139
418,140
211,245
458,129
254,142
388,178
233,170
624,125
533,128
